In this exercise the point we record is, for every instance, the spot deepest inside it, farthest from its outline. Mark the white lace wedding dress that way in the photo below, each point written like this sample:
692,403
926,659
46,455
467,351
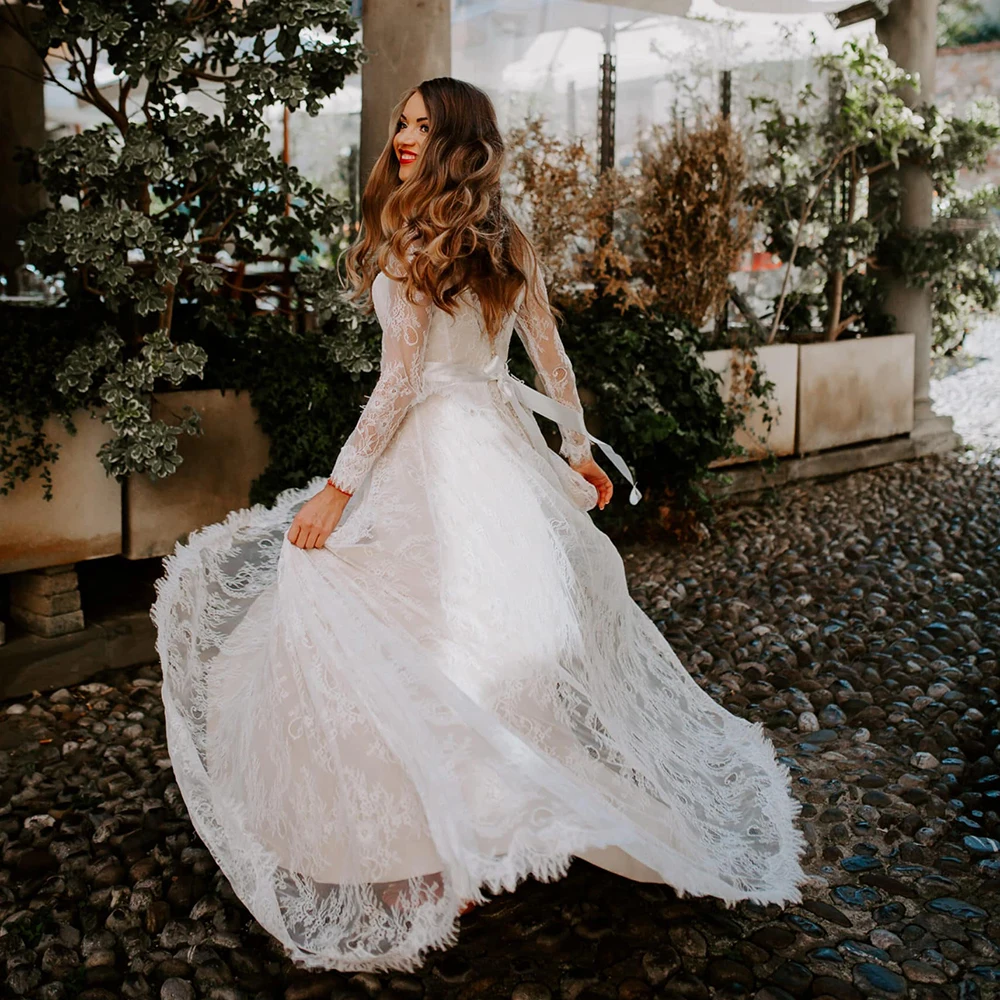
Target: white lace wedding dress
457,691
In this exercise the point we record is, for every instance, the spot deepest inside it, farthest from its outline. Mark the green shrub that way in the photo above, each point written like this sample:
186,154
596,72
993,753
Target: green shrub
654,403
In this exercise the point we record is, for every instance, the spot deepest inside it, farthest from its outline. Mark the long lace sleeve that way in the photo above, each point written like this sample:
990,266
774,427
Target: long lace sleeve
536,326
404,338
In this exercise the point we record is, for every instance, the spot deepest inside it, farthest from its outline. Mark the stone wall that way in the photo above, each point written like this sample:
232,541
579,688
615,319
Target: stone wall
964,74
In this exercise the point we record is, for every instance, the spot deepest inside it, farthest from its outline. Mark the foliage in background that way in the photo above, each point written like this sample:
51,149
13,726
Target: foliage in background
307,385
167,201
34,339
638,364
695,223
831,203
813,181
965,22
958,258
582,222
655,402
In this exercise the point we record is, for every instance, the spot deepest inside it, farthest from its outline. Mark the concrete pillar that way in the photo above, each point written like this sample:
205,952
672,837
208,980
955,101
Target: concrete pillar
407,41
22,123
909,32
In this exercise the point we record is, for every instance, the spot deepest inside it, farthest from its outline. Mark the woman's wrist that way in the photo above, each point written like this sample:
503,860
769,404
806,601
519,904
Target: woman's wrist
333,486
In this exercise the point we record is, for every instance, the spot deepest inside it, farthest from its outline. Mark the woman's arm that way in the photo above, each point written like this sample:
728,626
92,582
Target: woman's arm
536,326
404,338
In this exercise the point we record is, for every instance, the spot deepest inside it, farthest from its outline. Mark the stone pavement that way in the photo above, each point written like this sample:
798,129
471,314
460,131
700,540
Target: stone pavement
858,619
967,387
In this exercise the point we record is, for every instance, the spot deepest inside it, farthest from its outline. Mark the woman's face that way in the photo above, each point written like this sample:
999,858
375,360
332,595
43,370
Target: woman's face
412,130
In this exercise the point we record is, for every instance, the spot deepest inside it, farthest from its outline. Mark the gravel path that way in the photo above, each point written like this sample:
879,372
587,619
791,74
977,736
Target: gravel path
859,619
968,388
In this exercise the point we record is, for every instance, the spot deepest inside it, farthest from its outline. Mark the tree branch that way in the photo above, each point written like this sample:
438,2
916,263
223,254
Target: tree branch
217,236
877,168
93,93
210,77
186,197
806,210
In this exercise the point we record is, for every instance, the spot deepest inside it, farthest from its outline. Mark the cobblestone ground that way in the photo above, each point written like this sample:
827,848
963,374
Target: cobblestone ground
859,619
967,387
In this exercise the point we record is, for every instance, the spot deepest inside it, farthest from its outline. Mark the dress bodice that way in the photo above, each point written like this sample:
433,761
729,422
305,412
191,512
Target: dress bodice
416,332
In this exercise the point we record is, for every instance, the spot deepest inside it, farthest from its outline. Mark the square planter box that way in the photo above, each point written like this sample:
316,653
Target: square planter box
855,390
779,363
219,466
83,520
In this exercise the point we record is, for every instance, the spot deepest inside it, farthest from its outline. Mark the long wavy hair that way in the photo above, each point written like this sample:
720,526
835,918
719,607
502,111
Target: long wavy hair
445,225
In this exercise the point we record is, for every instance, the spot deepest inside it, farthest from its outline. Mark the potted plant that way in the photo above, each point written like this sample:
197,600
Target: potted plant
829,202
695,226
643,382
57,504
173,210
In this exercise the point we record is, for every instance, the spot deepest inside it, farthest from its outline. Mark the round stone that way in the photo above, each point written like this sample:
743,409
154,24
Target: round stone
885,939
982,845
956,908
923,972
808,722
860,863
854,895
792,976
831,986
531,991
871,978
859,949
733,977
176,989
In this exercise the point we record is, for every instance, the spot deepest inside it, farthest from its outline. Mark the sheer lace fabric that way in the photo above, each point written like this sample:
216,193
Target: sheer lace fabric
456,692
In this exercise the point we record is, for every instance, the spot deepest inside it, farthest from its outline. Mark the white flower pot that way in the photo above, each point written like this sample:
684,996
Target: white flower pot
855,390
779,364
215,477
83,520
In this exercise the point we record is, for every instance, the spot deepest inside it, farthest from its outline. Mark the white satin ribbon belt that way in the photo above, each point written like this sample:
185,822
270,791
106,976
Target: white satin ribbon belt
524,399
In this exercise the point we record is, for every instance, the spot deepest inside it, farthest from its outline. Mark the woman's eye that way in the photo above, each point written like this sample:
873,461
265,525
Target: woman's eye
425,128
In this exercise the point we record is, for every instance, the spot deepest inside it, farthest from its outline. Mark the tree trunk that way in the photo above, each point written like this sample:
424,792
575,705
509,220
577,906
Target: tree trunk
834,301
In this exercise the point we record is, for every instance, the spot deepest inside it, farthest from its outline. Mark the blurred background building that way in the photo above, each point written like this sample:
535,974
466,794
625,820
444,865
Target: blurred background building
545,57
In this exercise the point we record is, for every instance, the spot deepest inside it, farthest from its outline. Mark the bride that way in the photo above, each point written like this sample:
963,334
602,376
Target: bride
425,679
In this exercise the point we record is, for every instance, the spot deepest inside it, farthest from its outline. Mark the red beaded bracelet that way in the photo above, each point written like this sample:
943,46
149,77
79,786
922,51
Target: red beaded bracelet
330,482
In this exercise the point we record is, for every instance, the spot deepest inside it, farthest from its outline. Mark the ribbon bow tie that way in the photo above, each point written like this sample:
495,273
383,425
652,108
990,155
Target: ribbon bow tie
525,398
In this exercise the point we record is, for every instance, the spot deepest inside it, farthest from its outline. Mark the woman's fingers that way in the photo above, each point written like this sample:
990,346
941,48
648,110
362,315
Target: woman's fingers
308,536
301,533
316,521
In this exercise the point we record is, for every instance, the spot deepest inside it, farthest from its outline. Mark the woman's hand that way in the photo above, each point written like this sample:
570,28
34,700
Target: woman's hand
597,478
317,518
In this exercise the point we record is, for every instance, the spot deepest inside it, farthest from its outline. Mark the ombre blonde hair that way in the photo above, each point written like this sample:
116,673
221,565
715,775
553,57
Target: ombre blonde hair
445,224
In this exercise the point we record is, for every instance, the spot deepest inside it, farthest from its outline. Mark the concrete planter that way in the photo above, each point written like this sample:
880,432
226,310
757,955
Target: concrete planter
855,390
219,466
779,363
83,520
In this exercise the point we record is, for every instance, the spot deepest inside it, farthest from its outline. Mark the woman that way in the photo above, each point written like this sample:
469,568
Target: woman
427,679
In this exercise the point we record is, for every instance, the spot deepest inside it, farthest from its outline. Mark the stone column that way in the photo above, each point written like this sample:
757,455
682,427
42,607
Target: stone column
407,41
22,123
909,32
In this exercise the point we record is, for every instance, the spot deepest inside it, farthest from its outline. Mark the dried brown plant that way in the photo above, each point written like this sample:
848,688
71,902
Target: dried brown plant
695,224
575,217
